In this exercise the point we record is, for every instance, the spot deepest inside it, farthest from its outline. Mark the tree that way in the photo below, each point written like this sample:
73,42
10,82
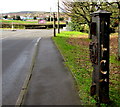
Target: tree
116,8
18,18
5,16
61,19
80,12
35,18
14,17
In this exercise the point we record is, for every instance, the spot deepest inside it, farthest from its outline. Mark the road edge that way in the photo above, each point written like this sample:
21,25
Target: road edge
23,91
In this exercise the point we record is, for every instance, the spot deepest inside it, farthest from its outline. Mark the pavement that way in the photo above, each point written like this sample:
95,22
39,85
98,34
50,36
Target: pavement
51,82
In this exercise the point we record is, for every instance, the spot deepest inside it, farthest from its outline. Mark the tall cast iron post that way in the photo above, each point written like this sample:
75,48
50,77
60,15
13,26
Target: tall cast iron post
99,55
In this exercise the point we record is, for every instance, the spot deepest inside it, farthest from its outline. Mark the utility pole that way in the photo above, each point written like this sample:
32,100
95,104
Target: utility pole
50,14
54,23
58,17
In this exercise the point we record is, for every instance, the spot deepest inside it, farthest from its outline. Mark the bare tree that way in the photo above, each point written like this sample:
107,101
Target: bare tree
116,4
80,11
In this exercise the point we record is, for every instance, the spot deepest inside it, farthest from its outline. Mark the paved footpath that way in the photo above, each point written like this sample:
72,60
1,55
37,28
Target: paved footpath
51,82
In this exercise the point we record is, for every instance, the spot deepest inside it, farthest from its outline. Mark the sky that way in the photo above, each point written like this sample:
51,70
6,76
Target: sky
7,6
27,5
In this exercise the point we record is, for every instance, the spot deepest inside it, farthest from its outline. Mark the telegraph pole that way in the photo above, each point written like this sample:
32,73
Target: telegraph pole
58,17
50,14
54,25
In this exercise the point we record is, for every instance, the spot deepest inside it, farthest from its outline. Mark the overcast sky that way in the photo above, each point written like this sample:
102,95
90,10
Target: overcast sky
27,5
31,5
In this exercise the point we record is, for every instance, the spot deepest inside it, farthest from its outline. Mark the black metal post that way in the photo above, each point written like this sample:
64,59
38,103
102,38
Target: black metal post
54,25
99,55
58,17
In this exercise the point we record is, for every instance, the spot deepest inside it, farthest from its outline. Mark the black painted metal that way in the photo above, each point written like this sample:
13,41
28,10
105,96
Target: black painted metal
99,55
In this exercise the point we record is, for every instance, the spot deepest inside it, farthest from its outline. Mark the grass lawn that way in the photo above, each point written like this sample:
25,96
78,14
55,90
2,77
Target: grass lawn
25,22
18,22
75,48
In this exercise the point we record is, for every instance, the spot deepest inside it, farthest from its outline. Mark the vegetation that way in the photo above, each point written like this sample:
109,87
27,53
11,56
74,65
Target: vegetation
18,22
80,11
25,22
21,24
48,19
78,27
74,47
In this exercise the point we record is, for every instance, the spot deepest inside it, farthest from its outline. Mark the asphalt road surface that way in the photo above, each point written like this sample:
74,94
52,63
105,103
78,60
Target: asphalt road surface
17,49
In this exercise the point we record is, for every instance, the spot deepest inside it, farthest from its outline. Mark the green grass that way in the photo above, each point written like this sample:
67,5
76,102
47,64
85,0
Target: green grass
81,74
77,59
115,81
24,22
18,22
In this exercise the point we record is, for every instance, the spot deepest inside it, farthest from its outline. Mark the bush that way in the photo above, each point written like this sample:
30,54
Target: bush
18,18
78,27
35,18
5,16
61,18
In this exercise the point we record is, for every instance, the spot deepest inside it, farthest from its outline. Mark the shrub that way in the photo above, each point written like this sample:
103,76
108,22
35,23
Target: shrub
78,27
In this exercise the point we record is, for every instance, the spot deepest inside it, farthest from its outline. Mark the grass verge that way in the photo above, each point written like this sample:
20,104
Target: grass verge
75,48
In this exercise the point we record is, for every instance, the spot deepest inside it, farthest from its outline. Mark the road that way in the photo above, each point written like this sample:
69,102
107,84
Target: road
17,51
